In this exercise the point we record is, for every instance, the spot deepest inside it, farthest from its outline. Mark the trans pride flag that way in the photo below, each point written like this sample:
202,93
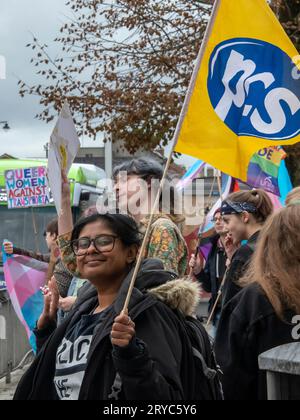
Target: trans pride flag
191,174
24,276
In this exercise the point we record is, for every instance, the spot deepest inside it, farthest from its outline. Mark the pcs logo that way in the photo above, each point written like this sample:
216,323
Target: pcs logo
252,89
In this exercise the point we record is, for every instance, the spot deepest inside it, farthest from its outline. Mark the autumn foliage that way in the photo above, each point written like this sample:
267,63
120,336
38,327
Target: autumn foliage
124,67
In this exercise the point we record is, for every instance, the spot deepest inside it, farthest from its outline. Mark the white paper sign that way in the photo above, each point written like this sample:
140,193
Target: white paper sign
64,146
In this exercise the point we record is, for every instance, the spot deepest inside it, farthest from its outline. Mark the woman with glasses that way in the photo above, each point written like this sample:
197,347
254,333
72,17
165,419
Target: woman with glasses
136,183
99,352
211,274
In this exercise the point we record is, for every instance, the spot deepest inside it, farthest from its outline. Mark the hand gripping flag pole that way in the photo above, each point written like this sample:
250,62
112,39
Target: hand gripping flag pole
175,140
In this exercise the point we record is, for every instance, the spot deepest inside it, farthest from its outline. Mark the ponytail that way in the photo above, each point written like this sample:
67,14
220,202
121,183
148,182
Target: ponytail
259,199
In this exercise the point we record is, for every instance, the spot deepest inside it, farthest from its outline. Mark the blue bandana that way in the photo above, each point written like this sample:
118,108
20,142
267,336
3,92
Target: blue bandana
230,207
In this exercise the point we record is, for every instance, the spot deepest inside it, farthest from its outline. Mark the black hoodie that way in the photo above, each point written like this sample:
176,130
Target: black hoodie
157,373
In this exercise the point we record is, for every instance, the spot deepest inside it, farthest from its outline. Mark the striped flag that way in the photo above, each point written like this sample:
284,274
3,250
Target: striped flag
263,171
191,174
24,276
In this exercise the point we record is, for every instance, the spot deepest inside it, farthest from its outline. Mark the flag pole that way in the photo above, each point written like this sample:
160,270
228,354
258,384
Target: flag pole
201,230
175,141
220,185
220,292
35,230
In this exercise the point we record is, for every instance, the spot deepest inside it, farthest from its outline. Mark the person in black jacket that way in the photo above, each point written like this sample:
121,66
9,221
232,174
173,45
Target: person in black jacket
263,315
244,214
98,354
211,274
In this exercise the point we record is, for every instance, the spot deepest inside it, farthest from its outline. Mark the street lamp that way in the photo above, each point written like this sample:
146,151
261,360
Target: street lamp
6,127
46,149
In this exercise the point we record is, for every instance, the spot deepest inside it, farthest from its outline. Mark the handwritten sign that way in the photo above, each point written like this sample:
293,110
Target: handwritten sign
27,188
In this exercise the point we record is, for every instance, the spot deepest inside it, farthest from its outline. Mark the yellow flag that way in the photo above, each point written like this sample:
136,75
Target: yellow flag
246,94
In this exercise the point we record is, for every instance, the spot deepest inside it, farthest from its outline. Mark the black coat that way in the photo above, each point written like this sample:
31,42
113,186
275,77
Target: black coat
248,327
154,374
238,267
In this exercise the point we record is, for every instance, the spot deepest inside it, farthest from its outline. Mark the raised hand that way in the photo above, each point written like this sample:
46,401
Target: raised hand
51,300
65,220
196,263
65,187
8,248
66,304
123,331
230,246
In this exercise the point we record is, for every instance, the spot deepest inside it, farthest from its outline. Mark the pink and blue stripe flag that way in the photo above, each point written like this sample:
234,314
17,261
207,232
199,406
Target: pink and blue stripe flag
24,276
191,174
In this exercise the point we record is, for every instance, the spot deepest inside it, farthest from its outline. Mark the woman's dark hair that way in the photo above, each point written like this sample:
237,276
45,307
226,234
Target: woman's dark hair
52,227
144,168
149,169
121,225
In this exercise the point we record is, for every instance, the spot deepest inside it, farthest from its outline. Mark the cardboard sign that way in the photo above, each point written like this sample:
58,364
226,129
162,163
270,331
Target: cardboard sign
64,145
27,188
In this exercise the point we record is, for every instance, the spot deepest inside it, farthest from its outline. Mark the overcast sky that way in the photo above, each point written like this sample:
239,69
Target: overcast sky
19,18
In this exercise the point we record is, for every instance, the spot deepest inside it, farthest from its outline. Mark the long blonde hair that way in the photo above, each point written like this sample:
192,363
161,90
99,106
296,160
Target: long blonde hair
276,262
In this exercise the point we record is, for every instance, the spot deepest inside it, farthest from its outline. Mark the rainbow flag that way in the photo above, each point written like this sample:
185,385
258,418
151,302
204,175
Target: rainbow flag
24,276
263,171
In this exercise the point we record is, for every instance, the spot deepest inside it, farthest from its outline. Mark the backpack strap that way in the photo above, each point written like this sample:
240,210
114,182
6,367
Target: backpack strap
209,373
205,356
116,389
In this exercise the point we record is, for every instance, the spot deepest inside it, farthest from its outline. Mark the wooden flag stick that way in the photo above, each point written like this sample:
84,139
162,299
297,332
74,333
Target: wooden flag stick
200,236
220,186
220,292
201,230
35,230
175,141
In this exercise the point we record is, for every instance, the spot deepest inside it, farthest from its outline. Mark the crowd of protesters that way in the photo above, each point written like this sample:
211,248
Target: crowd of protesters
94,350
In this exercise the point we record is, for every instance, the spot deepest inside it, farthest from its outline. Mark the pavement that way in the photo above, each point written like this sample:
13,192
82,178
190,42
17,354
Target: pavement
7,390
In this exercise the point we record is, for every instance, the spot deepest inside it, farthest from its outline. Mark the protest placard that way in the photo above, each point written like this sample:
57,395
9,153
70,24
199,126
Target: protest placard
27,187
64,145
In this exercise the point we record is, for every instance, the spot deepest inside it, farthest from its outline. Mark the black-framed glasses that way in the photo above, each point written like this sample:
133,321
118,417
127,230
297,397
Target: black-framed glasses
217,219
102,243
